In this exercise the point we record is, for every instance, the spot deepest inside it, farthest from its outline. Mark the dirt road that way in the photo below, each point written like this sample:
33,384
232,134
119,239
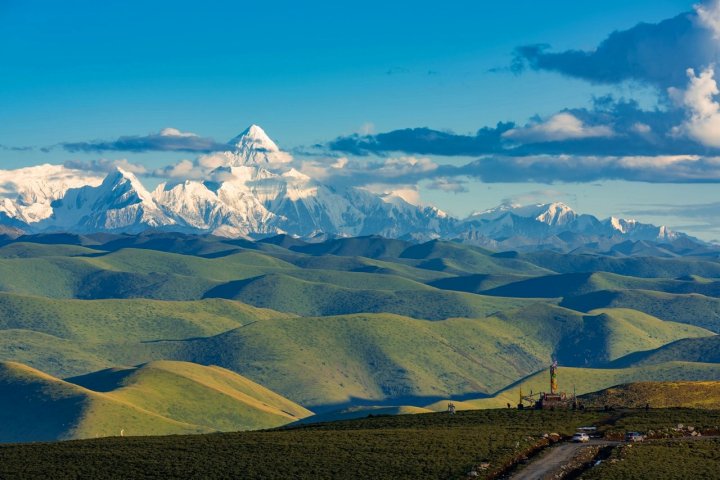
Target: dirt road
554,458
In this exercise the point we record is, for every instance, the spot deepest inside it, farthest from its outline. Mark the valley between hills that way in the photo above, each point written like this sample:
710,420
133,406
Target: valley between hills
167,333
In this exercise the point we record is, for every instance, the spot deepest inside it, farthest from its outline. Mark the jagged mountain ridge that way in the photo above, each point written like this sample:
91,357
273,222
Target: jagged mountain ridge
253,192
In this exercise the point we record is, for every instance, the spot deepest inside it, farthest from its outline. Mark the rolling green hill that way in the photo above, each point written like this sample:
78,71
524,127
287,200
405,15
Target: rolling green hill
368,358
287,293
576,284
693,309
704,349
339,326
439,255
137,320
36,406
641,267
155,399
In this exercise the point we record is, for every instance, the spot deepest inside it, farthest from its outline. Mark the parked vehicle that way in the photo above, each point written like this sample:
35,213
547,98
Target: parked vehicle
581,437
634,437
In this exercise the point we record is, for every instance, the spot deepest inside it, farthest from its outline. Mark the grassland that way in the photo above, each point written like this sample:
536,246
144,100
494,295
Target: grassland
432,446
660,461
406,446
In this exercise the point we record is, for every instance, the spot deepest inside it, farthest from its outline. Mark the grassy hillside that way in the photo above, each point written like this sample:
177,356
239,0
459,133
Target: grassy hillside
155,399
347,323
587,380
439,255
641,267
704,349
477,283
551,286
609,334
323,362
287,293
210,396
693,309
138,320
35,250
658,395
36,406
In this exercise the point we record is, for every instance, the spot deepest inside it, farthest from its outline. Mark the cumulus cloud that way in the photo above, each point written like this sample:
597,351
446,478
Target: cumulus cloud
709,16
105,165
610,127
650,53
183,170
168,139
703,110
561,126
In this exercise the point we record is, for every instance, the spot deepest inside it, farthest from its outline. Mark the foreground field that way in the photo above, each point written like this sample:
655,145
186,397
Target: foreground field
428,446
662,460
407,446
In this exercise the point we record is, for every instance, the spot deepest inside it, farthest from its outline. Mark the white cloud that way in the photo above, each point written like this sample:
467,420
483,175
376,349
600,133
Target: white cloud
561,126
709,16
174,132
703,122
183,170
641,128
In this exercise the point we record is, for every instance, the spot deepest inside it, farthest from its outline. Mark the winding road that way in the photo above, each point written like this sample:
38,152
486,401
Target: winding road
554,458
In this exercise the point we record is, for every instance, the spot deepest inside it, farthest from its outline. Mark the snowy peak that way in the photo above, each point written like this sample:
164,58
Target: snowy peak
26,194
119,203
254,147
621,225
552,214
124,187
255,138
555,214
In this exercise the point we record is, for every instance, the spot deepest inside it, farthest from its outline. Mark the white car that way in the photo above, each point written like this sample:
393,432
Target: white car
580,438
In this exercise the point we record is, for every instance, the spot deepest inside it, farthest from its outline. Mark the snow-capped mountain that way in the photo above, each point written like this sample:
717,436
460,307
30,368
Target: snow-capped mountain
553,225
119,203
26,194
252,190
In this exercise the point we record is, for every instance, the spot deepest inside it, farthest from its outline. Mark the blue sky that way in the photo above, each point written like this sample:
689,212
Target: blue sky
333,77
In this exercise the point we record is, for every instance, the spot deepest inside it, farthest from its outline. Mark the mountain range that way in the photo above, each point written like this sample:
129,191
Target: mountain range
253,192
